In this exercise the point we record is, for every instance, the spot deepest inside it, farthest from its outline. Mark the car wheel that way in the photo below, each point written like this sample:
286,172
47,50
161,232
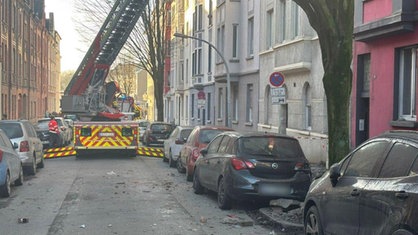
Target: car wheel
32,168
189,177
224,201
19,180
42,163
171,162
312,222
5,189
180,167
166,157
197,187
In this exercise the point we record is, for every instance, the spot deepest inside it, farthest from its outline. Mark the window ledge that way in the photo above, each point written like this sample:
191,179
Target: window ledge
220,120
235,122
403,123
248,124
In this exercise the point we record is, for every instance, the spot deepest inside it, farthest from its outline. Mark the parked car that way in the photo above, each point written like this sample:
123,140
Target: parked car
373,190
43,131
143,124
11,170
156,133
30,148
197,140
173,144
252,167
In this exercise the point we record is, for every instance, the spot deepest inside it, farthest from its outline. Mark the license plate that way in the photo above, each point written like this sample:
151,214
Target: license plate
106,134
272,189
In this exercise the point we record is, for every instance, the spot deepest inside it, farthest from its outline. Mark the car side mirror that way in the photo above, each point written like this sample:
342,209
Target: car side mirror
334,174
204,151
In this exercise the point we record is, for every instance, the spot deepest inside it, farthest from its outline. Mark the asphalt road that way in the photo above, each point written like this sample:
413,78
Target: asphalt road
116,195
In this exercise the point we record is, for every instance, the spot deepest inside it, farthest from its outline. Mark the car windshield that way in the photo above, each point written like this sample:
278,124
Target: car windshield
12,130
274,146
207,136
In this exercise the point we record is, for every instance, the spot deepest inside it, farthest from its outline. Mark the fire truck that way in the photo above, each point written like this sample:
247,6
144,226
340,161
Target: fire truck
102,126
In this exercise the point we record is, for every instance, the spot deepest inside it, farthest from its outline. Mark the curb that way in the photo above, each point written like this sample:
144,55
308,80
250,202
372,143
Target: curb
273,215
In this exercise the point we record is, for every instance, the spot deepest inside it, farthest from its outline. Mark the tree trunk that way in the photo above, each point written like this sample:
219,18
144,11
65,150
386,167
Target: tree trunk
333,21
159,93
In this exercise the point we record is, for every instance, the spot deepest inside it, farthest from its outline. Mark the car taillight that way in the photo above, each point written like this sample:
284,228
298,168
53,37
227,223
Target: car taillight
195,154
239,164
1,155
24,146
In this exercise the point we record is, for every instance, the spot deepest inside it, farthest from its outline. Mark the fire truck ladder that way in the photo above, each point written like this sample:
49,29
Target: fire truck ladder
87,91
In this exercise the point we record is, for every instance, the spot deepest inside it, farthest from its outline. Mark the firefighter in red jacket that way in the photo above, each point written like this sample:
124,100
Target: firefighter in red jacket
53,132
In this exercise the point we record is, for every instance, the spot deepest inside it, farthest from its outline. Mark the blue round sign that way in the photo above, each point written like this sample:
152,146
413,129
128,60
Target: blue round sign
276,79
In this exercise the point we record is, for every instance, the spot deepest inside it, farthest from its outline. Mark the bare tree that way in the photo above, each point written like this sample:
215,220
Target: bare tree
333,20
124,74
148,45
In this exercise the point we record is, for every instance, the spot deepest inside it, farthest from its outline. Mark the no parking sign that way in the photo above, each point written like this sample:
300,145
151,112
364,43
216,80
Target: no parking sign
276,79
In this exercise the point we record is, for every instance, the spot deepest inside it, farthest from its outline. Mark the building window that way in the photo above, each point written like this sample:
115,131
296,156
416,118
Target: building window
268,107
235,105
220,103
407,84
281,19
307,107
192,107
269,29
209,100
220,42
250,36
249,113
235,41
295,19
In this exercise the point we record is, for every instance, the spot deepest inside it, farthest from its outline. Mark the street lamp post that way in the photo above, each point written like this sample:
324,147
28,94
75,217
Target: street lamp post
228,78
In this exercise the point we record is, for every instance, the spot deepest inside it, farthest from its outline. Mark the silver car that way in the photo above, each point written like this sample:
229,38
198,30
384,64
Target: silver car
142,128
30,148
11,170
173,144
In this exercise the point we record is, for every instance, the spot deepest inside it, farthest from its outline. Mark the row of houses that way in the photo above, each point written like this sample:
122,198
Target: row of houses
29,60
263,69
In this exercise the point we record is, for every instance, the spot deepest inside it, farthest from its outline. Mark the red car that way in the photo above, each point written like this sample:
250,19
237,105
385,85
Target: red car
198,139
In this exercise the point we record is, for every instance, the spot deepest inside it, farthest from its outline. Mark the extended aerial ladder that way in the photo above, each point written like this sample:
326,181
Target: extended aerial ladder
87,94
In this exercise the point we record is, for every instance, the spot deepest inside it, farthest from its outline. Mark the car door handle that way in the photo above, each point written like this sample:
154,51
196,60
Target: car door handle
402,195
355,193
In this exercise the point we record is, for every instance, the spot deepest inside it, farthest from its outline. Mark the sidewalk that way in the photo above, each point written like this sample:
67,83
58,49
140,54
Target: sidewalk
289,220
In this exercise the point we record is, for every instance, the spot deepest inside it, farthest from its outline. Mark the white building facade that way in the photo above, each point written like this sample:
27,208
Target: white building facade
256,39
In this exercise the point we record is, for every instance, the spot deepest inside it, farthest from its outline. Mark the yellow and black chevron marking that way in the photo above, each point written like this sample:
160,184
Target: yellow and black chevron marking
54,150
144,152
60,154
148,149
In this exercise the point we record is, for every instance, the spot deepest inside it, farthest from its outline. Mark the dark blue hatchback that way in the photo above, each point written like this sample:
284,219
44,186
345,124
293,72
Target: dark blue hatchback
252,166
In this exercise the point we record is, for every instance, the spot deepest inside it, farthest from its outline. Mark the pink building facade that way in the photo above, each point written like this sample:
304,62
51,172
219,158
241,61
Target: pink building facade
385,68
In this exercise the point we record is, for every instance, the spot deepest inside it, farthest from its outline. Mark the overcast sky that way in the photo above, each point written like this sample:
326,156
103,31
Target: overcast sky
63,10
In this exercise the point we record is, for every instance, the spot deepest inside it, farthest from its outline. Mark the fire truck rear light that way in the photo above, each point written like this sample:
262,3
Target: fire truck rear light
85,131
127,131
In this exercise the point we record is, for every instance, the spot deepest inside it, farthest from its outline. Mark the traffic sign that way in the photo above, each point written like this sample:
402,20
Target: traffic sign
276,79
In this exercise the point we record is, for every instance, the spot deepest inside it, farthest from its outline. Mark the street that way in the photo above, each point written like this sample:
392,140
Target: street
116,195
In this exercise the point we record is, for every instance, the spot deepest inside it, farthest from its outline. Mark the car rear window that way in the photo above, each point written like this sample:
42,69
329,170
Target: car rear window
43,124
143,124
12,130
207,136
161,127
273,146
184,134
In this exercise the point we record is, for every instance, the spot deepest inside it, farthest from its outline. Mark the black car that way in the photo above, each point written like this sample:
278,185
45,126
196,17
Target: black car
252,166
156,133
373,190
